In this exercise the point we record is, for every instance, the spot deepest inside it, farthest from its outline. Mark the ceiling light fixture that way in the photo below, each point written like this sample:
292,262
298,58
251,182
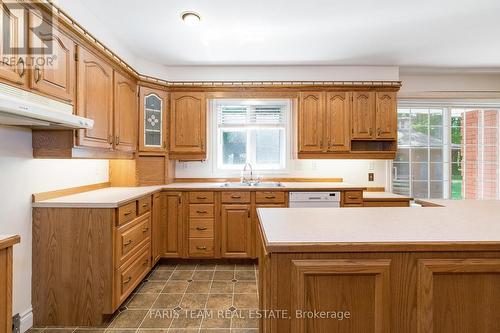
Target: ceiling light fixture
191,18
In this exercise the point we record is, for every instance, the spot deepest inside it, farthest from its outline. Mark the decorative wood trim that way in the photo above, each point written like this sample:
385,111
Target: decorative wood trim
9,241
427,268
380,268
68,191
375,189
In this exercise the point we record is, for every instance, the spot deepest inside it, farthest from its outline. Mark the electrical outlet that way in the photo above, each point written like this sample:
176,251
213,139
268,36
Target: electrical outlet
16,323
371,176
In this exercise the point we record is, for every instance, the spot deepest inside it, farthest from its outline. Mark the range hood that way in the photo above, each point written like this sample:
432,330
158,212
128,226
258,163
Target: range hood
23,108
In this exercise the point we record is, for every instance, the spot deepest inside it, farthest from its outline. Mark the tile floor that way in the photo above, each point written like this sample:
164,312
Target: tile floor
188,298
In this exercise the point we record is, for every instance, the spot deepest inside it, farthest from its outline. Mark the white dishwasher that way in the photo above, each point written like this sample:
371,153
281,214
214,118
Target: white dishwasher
314,199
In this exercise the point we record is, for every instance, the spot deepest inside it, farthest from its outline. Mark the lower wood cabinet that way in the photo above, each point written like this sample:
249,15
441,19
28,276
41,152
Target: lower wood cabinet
156,231
6,254
172,225
87,261
236,231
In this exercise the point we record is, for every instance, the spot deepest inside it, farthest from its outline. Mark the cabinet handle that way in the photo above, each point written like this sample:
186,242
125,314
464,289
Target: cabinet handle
201,228
110,139
145,262
351,197
201,247
379,131
202,145
127,280
236,196
270,197
127,213
145,229
128,242
117,140
23,70
144,205
371,131
201,198
201,211
37,74
164,144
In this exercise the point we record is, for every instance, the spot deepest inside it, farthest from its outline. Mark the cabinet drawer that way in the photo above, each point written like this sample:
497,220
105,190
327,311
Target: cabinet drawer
127,213
201,197
201,210
130,237
143,205
132,274
201,228
201,247
353,197
235,197
270,197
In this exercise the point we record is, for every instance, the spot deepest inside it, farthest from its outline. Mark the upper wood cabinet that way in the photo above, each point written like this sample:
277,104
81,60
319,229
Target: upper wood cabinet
386,116
95,100
338,109
56,76
12,64
311,117
152,120
236,231
125,113
188,126
363,115
374,116
323,124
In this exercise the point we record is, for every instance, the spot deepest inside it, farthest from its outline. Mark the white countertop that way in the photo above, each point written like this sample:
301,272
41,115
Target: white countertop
383,195
457,221
112,197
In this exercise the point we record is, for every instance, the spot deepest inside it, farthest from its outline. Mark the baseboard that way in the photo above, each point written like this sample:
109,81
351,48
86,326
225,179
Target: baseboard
26,320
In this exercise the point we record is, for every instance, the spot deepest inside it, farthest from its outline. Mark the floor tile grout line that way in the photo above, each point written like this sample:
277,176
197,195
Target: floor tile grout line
206,302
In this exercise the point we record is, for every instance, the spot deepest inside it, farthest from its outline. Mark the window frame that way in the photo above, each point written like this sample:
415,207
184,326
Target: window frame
218,166
447,106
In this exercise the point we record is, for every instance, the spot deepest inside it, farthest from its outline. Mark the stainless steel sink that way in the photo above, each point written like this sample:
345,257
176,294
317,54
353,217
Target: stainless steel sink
264,184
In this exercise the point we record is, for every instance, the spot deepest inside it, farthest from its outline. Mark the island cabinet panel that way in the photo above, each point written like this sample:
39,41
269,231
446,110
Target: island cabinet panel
360,287
13,69
125,113
188,126
57,77
95,100
456,295
338,111
363,113
310,123
172,225
236,231
386,117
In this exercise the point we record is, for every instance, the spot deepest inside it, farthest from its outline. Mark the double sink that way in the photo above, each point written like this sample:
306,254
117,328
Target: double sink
252,184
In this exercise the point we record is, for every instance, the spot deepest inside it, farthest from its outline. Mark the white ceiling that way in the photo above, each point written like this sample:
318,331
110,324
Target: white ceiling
428,33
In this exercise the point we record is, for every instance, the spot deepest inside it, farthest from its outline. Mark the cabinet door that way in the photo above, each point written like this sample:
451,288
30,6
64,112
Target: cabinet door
171,225
56,77
95,100
310,122
152,120
156,235
386,116
363,110
12,64
188,126
125,113
236,231
338,108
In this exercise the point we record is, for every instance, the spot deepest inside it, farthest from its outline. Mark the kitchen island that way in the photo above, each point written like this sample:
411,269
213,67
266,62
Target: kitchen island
432,269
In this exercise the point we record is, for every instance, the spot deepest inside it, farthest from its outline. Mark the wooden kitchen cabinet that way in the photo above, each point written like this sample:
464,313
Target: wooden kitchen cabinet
13,69
236,228
152,120
6,255
324,122
56,77
188,126
95,100
363,115
156,230
374,116
125,113
386,117
310,122
172,225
